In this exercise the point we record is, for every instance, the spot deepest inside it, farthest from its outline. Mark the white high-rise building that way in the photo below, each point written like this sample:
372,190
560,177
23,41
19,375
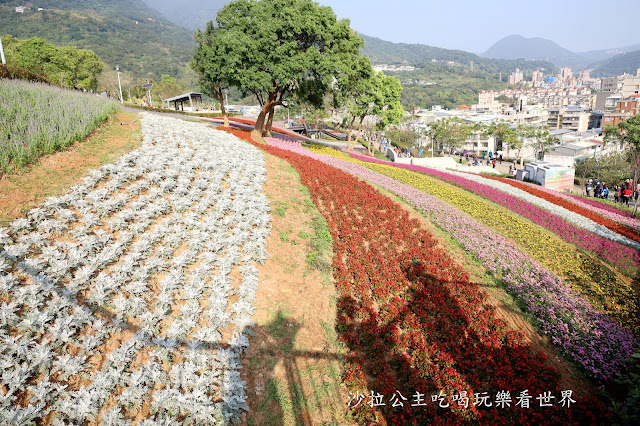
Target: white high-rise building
516,77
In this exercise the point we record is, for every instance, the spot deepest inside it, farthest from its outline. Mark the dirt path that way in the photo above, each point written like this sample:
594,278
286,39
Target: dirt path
53,174
294,363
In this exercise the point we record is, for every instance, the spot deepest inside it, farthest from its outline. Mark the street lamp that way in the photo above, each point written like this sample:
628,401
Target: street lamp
119,85
4,61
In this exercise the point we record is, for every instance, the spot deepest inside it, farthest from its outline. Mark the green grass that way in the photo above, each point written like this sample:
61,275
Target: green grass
279,327
380,156
321,243
281,208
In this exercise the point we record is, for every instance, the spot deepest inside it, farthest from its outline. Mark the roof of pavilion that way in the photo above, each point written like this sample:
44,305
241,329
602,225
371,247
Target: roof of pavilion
183,97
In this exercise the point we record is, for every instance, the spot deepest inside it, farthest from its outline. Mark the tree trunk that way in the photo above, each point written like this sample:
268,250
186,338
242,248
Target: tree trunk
267,129
359,128
223,109
367,139
259,127
350,133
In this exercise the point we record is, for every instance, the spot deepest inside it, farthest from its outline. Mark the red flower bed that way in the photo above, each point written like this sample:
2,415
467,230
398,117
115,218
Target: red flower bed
614,226
413,321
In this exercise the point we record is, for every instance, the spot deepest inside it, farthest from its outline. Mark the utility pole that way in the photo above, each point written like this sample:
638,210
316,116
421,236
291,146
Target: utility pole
432,142
4,61
119,85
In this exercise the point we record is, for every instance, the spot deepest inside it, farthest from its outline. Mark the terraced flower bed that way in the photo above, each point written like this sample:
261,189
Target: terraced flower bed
604,290
579,232
584,335
410,316
130,297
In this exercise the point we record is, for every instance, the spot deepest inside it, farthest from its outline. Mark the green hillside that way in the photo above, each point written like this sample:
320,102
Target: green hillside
448,86
123,32
618,65
386,52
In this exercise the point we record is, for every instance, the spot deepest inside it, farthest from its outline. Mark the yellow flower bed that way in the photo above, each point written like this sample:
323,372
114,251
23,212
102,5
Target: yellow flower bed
606,291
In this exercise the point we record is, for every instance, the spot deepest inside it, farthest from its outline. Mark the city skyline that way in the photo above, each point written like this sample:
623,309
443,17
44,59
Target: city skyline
484,23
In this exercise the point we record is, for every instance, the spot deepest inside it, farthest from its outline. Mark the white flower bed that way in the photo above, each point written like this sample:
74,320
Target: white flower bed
570,216
133,293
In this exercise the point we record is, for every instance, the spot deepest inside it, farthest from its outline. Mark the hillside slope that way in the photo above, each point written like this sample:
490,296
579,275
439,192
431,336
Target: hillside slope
123,32
193,14
381,51
620,64
386,52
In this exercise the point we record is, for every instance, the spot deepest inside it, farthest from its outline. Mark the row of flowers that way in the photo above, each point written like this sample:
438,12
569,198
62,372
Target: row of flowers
125,285
609,212
602,287
587,212
626,259
557,311
600,204
409,315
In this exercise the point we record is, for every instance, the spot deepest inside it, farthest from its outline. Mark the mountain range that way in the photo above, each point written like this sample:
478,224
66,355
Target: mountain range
602,62
386,52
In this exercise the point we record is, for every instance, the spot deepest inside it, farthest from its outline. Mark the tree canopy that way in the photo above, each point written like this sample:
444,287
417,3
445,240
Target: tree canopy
67,66
214,60
276,48
628,133
450,132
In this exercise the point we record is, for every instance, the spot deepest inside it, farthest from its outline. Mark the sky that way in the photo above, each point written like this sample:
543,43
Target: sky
475,25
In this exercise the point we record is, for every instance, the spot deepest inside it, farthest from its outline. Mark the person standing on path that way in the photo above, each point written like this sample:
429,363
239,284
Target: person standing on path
626,194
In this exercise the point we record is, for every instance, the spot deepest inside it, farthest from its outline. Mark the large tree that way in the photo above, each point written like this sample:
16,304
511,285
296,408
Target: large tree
375,95
543,140
450,132
280,47
214,60
355,88
628,134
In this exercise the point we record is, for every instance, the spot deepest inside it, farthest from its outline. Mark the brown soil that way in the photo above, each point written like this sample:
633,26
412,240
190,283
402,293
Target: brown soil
571,379
293,365
54,174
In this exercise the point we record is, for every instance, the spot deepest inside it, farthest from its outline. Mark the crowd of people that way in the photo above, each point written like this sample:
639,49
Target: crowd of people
621,193
475,160
404,152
